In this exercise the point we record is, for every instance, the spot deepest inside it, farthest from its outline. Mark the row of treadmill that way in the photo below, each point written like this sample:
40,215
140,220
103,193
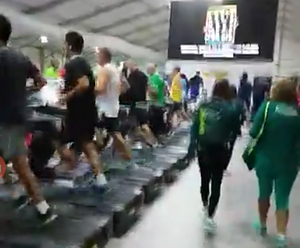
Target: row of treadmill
87,219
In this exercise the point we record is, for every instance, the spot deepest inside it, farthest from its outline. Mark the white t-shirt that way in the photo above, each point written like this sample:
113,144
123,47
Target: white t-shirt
108,103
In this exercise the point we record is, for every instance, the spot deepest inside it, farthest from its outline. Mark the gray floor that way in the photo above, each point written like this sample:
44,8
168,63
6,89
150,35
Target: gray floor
175,220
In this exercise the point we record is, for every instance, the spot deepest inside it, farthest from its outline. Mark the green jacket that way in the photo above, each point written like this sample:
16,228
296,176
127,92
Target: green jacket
279,146
226,129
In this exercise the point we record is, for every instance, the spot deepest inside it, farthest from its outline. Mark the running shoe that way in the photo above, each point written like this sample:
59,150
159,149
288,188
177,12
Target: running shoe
46,218
21,202
170,134
261,230
281,241
83,179
227,173
109,143
209,225
100,189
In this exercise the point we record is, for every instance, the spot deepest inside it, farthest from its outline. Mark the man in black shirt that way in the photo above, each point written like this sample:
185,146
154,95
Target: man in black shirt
137,93
15,69
81,116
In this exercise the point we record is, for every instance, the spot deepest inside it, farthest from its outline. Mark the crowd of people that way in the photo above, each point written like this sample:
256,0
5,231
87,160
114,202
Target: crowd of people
95,100
91,101
273,149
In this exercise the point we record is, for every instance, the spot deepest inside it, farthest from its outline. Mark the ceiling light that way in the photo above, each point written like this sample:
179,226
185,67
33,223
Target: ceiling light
44,39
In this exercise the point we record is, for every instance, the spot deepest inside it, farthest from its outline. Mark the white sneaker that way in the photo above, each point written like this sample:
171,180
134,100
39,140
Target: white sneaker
109,143
210,225
227,173
281,241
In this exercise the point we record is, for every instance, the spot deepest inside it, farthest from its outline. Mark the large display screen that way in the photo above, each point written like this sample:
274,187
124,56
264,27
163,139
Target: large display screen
240,29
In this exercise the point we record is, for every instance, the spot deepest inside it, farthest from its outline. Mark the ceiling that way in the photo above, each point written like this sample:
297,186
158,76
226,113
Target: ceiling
142,23
131,27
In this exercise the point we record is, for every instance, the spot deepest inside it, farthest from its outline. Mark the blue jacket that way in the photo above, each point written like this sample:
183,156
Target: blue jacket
194,85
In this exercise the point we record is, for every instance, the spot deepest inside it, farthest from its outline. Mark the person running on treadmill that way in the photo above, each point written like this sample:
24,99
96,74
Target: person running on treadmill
16,68
137,92
52,70
176,95
81,117
108,89
157,90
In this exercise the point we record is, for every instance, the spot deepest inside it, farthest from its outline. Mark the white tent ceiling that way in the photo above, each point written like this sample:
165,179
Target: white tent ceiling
287,45
134,27
138,28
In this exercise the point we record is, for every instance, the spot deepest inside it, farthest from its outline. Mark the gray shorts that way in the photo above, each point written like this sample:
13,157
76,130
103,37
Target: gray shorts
12,142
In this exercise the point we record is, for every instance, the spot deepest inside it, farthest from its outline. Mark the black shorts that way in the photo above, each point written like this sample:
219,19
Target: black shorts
79,131
156,120
185,106
176,107
141,115
111,124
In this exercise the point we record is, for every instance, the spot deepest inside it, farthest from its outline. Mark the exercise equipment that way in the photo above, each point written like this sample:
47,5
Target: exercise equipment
86,217
76,227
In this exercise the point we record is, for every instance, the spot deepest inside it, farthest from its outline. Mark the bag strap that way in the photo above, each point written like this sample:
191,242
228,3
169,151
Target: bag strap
264,121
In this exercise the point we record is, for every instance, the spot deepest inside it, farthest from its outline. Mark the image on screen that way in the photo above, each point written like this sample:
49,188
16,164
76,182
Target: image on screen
220,25
233,30
219,30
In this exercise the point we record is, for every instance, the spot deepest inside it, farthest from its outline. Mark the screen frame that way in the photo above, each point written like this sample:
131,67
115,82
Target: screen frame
174,55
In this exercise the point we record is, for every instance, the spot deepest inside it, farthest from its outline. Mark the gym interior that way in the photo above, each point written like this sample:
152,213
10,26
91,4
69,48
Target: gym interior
152,65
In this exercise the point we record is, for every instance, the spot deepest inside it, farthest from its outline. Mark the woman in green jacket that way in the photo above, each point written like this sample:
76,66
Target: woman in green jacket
213,124
277,154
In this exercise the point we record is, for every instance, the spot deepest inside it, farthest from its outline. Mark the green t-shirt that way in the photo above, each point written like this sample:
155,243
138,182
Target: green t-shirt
50,72
158,85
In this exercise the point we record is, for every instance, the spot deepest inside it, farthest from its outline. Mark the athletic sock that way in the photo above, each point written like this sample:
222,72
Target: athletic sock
101,180
42,207
281,236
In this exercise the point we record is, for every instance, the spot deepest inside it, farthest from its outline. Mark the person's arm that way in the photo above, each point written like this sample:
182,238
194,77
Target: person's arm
179,83
193,135
163,85
201,83
258,121
144,80
236,123
34,73
102,81
124,84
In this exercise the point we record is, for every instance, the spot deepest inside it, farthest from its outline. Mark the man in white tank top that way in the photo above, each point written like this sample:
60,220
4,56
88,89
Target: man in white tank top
108,89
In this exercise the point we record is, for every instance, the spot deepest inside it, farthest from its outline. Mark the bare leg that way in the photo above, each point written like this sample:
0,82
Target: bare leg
175,120
27,178
263,209
147,135
120,146
92,155
68,156
282,218
90,151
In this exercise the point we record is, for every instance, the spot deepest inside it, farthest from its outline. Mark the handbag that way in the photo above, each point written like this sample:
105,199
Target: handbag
249,153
